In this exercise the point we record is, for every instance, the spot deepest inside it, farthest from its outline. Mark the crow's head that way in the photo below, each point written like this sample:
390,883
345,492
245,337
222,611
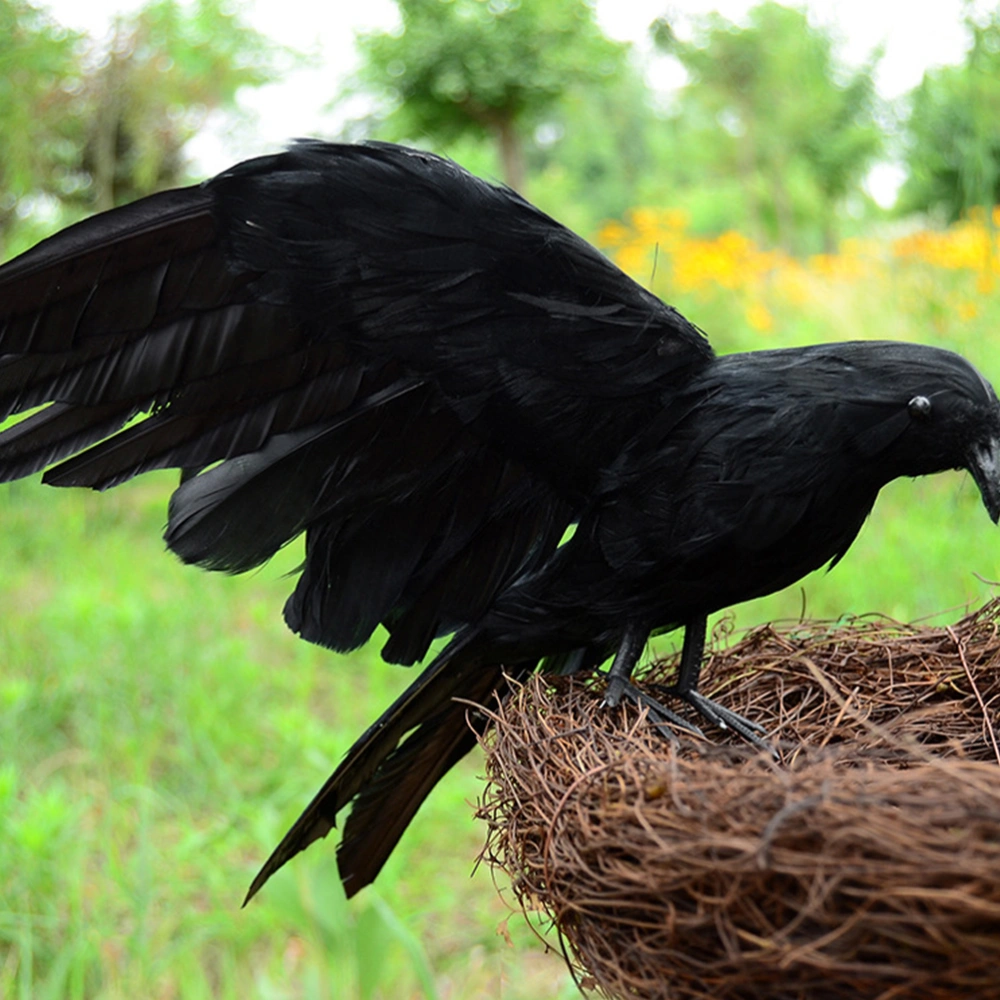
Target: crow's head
936,412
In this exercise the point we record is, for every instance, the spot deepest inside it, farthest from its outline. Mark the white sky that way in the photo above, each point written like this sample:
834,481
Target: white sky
916,36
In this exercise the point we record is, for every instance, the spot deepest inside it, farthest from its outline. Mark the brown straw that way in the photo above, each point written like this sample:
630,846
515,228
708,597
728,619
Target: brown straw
864,864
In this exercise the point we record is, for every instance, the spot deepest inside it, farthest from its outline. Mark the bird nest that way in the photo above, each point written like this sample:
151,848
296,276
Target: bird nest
865,862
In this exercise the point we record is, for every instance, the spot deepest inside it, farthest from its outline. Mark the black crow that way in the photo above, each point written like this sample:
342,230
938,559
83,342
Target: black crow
435,382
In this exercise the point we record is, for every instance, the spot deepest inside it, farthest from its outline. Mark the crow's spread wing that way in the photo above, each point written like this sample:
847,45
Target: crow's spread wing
416,368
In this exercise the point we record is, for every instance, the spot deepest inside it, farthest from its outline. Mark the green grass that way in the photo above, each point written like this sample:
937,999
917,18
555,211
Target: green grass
159,729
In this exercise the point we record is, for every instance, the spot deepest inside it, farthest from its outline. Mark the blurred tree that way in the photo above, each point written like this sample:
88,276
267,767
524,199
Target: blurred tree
168,67
592,153
485,67
952,132
771,102
92,126
40,71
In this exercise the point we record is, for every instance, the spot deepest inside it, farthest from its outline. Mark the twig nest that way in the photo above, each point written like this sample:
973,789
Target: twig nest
864,863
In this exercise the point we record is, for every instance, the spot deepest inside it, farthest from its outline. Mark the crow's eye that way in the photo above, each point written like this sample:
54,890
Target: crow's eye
919,407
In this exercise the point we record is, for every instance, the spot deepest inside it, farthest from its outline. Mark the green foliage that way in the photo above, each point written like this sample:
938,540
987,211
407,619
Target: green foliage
595,152
486,67
159,730
40,70
771,104
168,66
93,126
953,130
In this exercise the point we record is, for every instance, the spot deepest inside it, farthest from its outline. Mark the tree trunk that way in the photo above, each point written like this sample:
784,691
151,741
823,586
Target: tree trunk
104,134
511,154
830,241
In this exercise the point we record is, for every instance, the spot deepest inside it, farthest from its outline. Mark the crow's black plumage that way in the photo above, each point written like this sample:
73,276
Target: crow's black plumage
435,381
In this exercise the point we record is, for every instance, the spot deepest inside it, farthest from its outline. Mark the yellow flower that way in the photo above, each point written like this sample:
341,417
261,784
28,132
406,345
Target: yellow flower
612,233
759,317
967,245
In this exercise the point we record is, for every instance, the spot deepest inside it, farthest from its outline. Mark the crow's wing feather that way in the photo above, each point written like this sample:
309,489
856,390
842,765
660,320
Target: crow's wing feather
390,256
264,321
534,338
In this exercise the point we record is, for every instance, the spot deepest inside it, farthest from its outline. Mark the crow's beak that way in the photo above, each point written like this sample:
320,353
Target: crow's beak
984,464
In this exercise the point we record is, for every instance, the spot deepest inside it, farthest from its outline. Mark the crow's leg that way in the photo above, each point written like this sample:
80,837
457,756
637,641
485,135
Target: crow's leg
620,684
686,688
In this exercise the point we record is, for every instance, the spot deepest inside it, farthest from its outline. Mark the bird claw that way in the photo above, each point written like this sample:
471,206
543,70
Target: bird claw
661,716
724,718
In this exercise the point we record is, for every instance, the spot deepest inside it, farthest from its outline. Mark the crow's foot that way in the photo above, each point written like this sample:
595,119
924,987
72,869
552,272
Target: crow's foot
724,718
658,714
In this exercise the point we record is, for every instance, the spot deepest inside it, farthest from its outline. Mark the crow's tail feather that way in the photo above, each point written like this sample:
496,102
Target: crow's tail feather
394,765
